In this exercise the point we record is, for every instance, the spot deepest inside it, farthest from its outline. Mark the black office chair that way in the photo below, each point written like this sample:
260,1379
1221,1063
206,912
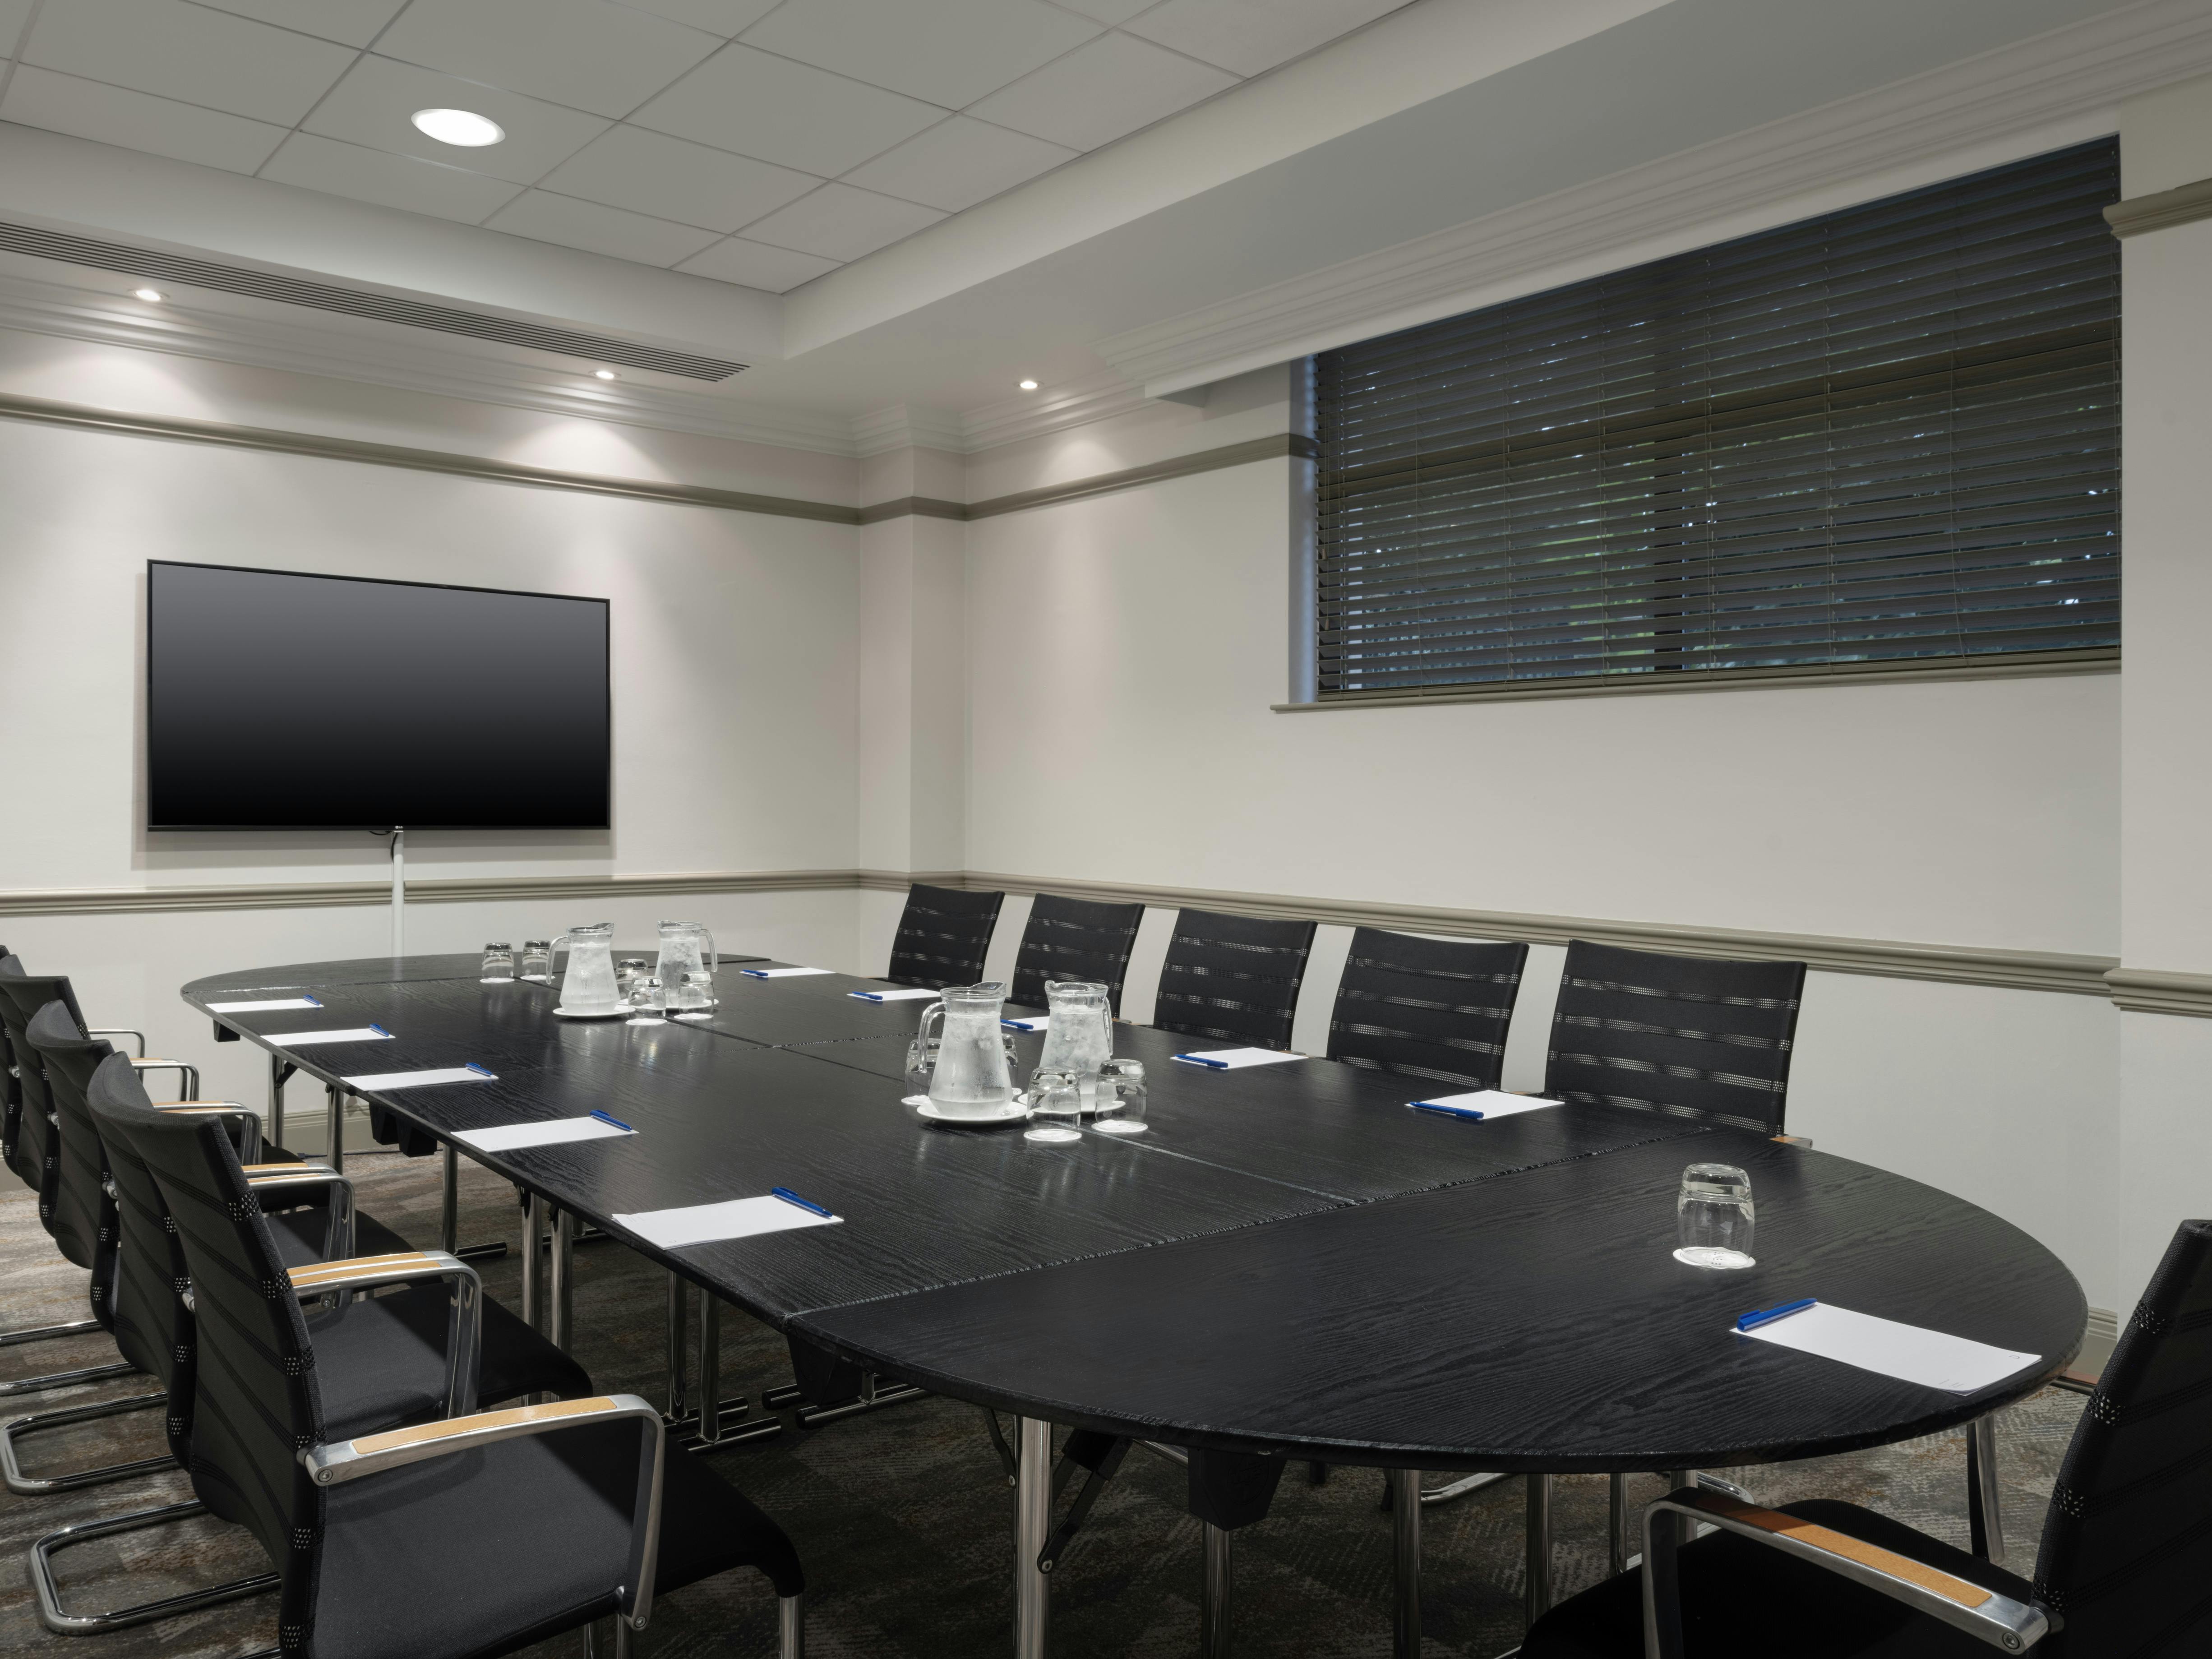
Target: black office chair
1232,977
1070,938
1681,1037
2126,1553
472,1536
1427,1008
942,935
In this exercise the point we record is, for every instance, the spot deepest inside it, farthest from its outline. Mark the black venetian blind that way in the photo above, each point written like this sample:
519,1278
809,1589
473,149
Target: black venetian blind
1888,434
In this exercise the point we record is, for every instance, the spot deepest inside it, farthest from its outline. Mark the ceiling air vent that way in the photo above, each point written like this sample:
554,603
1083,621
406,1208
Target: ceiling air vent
353,302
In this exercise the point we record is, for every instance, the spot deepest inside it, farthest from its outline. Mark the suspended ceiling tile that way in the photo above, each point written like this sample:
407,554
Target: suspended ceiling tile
546,217
375,175
372,102
355,22
840,222
12,14
1099,92
793,115
1250,36
756,265
949,51
723,17
606,58
190,53
958,163
673,178
1109,11
137,120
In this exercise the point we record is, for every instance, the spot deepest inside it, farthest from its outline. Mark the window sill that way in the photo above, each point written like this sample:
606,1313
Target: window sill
2016,665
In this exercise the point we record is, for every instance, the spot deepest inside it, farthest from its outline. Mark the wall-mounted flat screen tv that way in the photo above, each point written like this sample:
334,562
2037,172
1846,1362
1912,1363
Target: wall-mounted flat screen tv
279,701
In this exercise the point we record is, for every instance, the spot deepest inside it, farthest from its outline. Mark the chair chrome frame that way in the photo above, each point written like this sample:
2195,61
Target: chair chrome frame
26,1486
345,1279
58,1619
188,1075
1986,1615
337,1235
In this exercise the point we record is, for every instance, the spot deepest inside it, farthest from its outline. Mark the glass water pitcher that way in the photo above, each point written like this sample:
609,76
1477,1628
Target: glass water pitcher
1081,1038
588,987
688,961
970,1078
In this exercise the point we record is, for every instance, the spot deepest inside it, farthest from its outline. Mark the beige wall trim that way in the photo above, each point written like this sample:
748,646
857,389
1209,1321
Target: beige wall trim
2029,970
918,506
2025,665
306,896
179,429
2148,991
2182,205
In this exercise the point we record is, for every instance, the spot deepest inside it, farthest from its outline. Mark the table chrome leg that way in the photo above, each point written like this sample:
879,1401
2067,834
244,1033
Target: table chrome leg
1536,1588
534,1263
1685,1528
1982,1497
562,1330
1616,1520
335,1098
710,1367
1405,1562
449,1202
1032,1526
679,1343
278,1072
1214,1616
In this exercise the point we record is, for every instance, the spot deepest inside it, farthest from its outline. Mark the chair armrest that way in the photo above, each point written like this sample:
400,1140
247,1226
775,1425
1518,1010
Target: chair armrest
188,1075
248,1121
338,1237
119,1030
1984,1614
464,1330
351,1460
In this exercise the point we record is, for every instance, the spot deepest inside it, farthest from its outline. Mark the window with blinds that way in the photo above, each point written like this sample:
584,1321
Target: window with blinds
1890,435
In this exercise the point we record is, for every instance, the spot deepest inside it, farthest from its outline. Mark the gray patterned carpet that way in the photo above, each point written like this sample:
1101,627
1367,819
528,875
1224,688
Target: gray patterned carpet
901,1516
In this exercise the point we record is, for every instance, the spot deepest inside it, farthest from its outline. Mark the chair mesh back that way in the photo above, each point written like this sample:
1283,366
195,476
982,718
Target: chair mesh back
1428,1008
255,1405
83,1222
1075,939
2127,1543
21,996
1684,1036
942,935
1233,977
152,1327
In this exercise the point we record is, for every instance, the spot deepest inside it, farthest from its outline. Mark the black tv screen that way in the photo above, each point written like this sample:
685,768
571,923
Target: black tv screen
279,701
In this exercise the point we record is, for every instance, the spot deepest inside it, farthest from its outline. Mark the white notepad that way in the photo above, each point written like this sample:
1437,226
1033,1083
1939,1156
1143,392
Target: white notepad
705,1223
514,1137
269,1006
1041,1022
779,973
1935,1359
421,1079
911,994
1235,1059
1490,1102
309,1039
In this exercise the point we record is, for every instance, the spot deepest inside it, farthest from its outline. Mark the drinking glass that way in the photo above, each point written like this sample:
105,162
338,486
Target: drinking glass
499,965
695,996
1713,1216
537,959
921,1067
1055,1104
627,972
649,1001
1120,1097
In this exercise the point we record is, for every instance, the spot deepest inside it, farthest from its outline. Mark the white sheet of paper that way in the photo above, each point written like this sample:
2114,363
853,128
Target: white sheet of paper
420,1079
1935,1359
513,1136
267,1006
1235,1059
704,1223
1490,1102
910,994
780,973
1041,1022
309,1039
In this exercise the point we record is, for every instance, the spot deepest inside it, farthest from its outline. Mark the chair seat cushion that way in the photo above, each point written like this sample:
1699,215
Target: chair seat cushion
516,1542
382,1362
1740,1598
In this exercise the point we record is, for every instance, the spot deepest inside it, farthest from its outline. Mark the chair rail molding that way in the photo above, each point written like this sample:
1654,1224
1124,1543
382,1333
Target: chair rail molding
2183,204
2058,88
2152,991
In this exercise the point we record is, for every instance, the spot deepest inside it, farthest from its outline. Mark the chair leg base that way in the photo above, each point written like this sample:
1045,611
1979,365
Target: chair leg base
1462,1487
23,1385
791,1627
33,1486
58,1619
47,1332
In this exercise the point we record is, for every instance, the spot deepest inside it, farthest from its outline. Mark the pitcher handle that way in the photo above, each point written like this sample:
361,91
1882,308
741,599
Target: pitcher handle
921,1029
714,956
553,952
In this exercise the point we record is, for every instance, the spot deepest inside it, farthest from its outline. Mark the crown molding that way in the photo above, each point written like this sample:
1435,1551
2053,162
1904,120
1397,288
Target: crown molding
1099,398
908,426
2058,87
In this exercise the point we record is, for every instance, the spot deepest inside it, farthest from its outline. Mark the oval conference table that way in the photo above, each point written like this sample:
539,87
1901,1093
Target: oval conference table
1289,1262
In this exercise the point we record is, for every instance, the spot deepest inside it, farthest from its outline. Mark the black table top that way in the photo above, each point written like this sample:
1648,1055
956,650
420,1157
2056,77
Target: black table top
1290,1260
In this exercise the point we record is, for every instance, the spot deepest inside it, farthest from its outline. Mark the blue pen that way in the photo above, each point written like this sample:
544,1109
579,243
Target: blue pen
1758,1316
379,1031
480,1070
1200,1059
1467,1112
605,1117
790,1197
312,1002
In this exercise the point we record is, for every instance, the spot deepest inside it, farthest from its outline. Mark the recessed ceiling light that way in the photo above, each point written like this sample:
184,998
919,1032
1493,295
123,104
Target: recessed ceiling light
150,295
606,374
464,127
1029,385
